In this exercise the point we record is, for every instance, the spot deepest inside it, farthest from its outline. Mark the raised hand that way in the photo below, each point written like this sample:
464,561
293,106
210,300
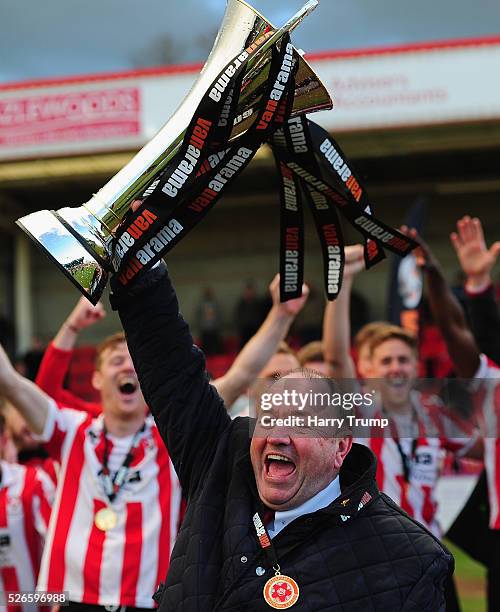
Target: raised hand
423,254
84,314
354,260
292,307
474,256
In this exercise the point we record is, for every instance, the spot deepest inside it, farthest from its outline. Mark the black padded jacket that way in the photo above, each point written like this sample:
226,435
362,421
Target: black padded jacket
349,557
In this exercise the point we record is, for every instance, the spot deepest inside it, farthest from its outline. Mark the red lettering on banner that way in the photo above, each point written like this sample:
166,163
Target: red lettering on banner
70,117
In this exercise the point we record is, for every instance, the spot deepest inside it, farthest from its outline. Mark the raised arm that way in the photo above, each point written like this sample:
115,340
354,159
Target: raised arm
83,315
24,395
190,414
55,363
477,261
336,320
447,313
262,346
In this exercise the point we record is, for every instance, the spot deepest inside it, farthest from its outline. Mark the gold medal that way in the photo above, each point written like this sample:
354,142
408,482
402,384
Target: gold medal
281,592
105,519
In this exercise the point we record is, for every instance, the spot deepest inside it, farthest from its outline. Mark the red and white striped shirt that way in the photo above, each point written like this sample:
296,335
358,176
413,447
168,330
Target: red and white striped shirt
487,410
124,565
26,496
425,455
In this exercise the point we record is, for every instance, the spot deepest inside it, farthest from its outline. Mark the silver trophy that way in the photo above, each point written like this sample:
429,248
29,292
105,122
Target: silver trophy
79,239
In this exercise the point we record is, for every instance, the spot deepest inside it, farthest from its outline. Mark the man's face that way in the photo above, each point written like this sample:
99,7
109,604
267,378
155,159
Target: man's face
395,362
292,464
290,470
116,380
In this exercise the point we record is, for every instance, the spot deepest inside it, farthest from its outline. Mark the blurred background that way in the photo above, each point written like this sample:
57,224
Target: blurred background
84,85
417,109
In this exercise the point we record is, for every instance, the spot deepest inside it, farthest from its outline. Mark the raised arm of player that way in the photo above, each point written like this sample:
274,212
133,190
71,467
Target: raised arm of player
83,315
447,312
336,320
190,414
55,363
477,261
24,395
262,346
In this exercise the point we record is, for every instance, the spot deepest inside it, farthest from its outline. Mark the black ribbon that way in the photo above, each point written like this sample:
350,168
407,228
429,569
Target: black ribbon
310,164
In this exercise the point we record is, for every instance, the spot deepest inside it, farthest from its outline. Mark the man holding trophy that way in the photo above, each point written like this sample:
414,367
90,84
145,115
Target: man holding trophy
342,544
345,546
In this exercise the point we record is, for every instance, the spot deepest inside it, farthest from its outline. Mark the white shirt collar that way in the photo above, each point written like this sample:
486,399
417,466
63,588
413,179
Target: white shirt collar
321,500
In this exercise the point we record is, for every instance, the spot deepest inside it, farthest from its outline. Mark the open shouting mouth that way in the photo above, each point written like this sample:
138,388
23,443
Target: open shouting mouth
127,385
397,382
278,466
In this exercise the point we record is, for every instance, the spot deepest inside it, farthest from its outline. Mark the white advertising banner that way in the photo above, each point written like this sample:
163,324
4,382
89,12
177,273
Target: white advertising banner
416,86
434,83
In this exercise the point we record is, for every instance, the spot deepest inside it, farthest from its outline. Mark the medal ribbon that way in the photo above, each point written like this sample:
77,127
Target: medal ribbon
280,592
112,485
265,542
406,460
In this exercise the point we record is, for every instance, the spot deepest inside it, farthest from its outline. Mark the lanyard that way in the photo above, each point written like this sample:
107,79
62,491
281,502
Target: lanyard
407,460
112,485
266,542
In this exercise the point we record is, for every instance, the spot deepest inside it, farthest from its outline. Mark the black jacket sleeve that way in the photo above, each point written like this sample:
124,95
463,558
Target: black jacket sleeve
189,412
484,317
428,593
